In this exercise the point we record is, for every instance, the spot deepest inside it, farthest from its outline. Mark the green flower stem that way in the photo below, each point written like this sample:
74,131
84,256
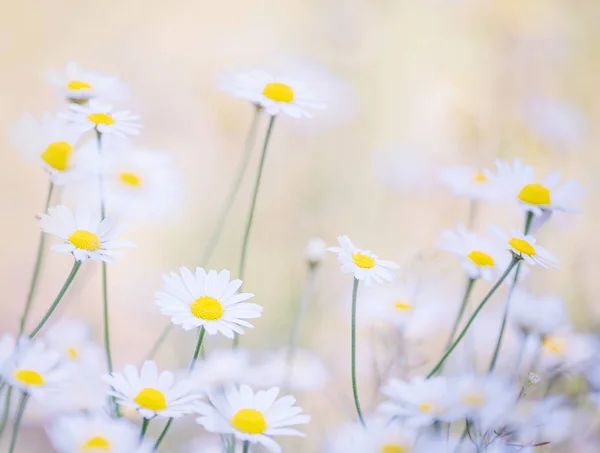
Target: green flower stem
353,352
61,293
17,424
145,423
37,267
163,434
197,350
261,165
6,410
515,260
520,355
159,341
461,311
246,446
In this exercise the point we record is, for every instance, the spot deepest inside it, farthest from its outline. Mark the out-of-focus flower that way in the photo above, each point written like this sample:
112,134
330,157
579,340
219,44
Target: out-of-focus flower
274,94
83,235
206,300
405,167
79,85
567,351
364,264
72,339
471,182
315,250
8,344
151,393
557,122
220,367
479,256
103,118
253,417
537,315
95,432
49,143
379,436
526,247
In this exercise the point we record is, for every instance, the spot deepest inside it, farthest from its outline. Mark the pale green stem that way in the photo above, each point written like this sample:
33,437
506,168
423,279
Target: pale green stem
353,352
61,293
437,367
473,210
37,267
145,423
246,446
461,312
17,424
261,165
6,410
520,355
197,350
163,434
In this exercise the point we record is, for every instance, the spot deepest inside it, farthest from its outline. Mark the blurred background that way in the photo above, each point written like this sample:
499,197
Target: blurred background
411,87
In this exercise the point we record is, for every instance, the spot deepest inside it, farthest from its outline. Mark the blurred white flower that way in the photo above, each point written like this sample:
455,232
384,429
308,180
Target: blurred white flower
565,351
405,167
8,343
556,121
526,247
537,315
151,393
72,339
210,300
468,181
315,251
210,444
220,367
379,436
79,85
253,417
49,143
103,118
364,264
274,94
83,234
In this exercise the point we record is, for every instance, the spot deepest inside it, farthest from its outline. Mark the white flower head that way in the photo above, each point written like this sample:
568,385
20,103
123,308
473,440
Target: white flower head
315,251
566,351
379,436
220,367
518,183
8,344
82,433
79,85
538,315
364,264
210,300
86,392
253,417
470,182
83,235
526,247
150,393
479,256
72,339
50,143
103,118
274,94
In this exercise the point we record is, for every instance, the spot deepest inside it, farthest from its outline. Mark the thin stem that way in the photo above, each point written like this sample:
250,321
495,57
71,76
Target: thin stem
17,424
252,208
61,293
6,410
163,434
520,355
472,215
100,179
353,351
159,341
37,267
461,311
437,367
145,423
528,220
198,346
246,446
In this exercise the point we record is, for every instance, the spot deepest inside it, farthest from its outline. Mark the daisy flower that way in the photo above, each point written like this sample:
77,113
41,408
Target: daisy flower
537,315
80,433
364,264
151,393
526,247
86,392
567,351
470,182
101,117
72,339
78,85
253,417
315,251
220,367
518,182
275,95
206,300
479,256
379,436
49,142
36,370
8,344
83,235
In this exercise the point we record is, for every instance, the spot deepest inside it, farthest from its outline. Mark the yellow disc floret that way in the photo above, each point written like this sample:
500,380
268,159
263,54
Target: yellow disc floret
57,155
207,307
249,421
535,194
363,261
279,92
86,240
151,398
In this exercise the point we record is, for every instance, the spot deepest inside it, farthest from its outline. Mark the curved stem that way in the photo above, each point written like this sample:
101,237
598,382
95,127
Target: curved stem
437,367
197,350
6,410
163,434
246,446
353,352
37,267
109,362
17,424
461,311
145,423
61,293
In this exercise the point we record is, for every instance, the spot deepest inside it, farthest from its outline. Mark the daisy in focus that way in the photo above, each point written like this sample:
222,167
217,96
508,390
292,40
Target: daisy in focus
469,182
526,247
101,117
364,264
150,393
83,235
78,85
80,433
518,183
210,300
72,338
274,95
50,143
252,417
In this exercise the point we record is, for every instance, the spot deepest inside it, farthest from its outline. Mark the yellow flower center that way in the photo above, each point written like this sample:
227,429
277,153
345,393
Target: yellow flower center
249,421
554,345
473,399
481,258
86,240
57,155
96,443
535,194
279,92
403,305
72,352
78,85
522,246
130,178
480,177
101,118
206,307
30,377
363,261
151,398
426,407
393,448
